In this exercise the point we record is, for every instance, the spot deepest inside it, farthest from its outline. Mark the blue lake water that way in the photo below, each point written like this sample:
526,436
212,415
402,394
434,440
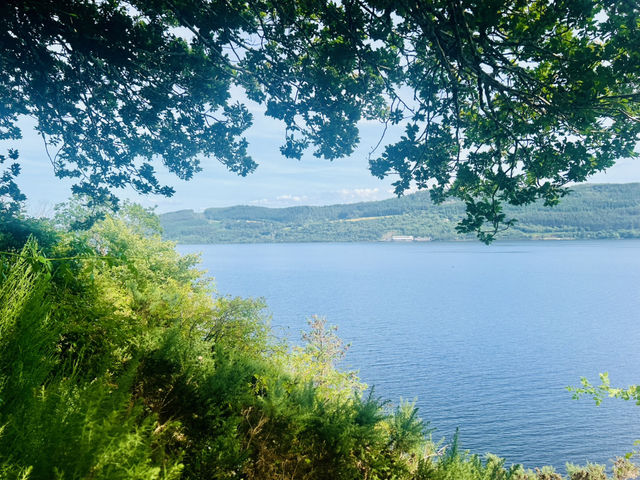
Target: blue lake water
485,338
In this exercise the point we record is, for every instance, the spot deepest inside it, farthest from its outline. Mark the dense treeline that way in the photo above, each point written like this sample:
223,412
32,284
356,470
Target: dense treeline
119,361
590,211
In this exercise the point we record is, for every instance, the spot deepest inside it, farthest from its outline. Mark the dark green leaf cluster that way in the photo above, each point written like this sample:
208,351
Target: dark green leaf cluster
112,88
10,194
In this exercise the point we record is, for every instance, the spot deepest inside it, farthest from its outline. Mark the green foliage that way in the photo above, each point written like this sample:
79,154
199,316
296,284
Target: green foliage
456,465
591,471
317,361
57,421
599,392
25,333
10,194
241,325
547,473
16,231
623,469
117,362
500,102
589,211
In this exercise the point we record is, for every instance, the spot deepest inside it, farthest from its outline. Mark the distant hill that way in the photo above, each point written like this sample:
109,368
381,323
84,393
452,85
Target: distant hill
590,211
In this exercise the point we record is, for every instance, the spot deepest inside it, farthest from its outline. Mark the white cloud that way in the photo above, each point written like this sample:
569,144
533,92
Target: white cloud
262,202
286,200
292,198
362,194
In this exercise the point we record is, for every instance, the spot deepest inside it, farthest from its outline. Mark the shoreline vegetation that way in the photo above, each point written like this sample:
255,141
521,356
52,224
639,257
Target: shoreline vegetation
119,361
606,211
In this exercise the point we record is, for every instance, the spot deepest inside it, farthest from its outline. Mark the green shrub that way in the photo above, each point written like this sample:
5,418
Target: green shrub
591,471
623,469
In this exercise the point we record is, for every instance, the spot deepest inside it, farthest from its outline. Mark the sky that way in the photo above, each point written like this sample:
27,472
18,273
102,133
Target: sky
277,182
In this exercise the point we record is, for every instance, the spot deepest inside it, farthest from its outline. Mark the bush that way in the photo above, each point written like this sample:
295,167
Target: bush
117,362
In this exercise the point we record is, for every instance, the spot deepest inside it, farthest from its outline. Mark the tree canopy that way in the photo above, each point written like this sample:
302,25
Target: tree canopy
500,101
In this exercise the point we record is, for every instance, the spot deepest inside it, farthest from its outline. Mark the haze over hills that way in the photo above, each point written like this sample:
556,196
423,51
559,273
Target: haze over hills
590,211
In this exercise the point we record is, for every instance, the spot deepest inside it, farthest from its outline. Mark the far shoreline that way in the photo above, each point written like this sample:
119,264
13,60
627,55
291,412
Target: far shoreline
372,242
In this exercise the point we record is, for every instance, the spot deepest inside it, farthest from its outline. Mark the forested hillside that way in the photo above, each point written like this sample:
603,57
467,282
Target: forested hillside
589,211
